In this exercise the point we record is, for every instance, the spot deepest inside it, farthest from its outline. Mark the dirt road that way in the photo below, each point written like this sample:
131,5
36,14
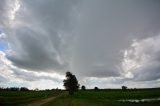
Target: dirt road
41,102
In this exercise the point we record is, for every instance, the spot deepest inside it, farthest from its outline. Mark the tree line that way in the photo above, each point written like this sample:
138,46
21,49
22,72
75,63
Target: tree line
14,89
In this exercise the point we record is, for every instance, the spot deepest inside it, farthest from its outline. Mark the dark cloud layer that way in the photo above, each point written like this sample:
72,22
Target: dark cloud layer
107,28
103,39
38,38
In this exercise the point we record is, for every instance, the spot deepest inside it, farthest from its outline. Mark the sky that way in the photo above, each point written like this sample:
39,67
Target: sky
105,43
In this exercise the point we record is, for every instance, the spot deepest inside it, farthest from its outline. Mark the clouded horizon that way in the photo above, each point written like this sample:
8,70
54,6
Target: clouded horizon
105,43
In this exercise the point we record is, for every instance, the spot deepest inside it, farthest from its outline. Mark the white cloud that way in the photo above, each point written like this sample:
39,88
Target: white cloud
11,75
14,7
142,59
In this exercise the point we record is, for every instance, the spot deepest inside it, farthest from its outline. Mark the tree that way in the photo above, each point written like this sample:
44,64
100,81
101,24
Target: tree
124,87
71,83
83,87
96,88
24,89
14,89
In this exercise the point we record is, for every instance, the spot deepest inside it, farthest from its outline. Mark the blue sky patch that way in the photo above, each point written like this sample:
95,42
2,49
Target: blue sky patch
3,45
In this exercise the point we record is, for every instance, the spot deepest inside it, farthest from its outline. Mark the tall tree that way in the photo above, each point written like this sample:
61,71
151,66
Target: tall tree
71,83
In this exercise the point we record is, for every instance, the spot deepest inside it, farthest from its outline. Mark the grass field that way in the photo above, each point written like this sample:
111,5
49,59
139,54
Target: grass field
106,98
80,98
14,98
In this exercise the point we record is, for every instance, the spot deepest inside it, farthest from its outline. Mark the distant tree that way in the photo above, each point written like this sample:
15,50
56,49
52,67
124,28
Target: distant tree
57,89
2,89
14,89
53,89
71,83
47,89
24,89
83,87
124,87
96,88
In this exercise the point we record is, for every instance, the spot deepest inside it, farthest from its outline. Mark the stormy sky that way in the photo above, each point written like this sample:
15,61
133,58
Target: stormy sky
105,43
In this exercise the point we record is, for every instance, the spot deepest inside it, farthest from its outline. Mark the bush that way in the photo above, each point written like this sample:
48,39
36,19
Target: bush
83,87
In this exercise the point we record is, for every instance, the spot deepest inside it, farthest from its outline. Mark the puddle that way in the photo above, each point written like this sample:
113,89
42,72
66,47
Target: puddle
140,100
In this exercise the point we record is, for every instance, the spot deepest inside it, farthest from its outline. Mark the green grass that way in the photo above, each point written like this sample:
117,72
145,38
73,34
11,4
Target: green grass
80,98
106,98
14,98
118,94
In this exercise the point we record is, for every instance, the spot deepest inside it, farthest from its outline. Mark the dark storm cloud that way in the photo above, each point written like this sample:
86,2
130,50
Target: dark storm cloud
106,28
40,36
35,52
88,37
3,14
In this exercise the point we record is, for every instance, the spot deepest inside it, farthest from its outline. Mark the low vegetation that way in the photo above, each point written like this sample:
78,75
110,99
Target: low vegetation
107,98
14,98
